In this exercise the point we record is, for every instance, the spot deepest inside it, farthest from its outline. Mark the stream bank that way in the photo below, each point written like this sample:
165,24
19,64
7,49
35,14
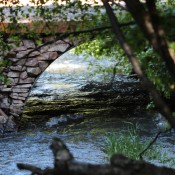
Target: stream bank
84,139
68,104
93,99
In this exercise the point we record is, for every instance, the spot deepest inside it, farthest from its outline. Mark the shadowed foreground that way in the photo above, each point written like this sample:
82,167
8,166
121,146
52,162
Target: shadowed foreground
119,165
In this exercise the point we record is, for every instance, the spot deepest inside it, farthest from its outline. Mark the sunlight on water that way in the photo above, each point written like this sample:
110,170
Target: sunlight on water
70,62
70,72
66,66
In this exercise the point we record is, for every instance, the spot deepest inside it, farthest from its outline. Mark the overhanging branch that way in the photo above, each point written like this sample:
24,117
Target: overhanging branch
159,103
149,22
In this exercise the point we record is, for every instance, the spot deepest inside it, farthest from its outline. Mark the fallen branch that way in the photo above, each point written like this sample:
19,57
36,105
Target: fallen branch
119,165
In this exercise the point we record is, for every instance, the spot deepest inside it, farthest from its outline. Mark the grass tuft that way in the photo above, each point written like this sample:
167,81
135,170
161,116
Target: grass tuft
129,144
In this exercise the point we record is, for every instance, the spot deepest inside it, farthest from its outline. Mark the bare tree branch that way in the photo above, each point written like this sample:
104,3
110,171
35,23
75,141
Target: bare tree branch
153,141
35,170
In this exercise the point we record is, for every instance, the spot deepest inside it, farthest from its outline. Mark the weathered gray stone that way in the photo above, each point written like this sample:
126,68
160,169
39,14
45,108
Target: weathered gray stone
21,48
13,74
20,105
14,114
5,100
53,55
16,109
32,62
17,97
19,102
42,57
44,49
23,94
24,68
29,44
13,59
48,56
13,81
34,54
3,119
23,86
23,75
27,81
16,68
22,54
4,106
6,89
13,94
61,47
33,71
10,125
21,62
43,65
20,90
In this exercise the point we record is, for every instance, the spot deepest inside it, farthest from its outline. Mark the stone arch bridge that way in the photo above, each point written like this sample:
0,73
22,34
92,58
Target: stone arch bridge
27,61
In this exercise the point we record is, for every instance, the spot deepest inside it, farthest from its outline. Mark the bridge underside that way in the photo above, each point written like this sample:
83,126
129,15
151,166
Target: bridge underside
26,62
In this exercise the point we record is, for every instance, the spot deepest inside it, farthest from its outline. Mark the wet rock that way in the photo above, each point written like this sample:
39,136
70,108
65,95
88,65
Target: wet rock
64,119
54,121
10,126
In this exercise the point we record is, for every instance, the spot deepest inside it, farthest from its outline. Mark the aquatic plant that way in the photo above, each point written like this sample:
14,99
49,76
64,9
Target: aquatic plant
129,144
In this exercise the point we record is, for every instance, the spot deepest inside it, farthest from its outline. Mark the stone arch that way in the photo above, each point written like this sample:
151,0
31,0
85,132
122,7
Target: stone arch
27,63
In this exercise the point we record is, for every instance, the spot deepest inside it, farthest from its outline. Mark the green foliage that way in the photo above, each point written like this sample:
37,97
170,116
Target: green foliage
3,64
129,144
155,68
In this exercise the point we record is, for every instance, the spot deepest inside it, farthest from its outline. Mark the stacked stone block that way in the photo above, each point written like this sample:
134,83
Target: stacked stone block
27,62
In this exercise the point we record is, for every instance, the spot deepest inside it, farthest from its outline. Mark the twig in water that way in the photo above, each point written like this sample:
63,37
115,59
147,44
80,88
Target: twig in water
153,141
114,73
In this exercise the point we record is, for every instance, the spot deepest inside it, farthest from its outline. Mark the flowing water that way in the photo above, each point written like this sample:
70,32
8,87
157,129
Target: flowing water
84,139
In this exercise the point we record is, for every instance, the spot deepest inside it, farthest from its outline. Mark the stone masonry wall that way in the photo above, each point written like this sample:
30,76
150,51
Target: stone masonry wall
27,62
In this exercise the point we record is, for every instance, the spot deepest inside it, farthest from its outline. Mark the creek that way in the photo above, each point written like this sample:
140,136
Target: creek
82,127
